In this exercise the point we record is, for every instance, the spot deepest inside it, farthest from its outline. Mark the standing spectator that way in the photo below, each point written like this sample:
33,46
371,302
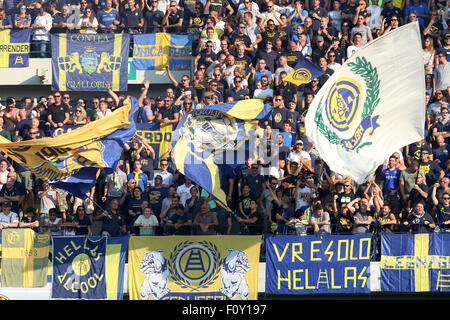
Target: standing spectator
420,11
433,172
420,221
441,79
173,19
132,19
22,20
138,175
108,18
442,209
113,223
362,216
153,18
82,222
362,29
59,112
47,201
88,24
13,191
316,13
5,21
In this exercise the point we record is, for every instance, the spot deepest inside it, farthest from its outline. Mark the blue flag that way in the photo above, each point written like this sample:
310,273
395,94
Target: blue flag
415,262
208,140
85,62
79,266
71,160
305,71
14,48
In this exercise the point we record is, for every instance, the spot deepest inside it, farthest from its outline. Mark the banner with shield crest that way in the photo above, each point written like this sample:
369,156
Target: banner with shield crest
193,267
85,62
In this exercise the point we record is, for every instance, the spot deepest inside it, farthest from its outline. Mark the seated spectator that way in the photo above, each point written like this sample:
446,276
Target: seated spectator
30,220
147,222
8,218
179,223
205,222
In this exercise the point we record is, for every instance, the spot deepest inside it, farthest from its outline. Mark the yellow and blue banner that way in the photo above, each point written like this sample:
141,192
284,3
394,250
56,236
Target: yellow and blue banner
415,262
85,62
316,264
71,160
193,267
24,258
304,72
14,48
220,135
155,51
79,268
158,135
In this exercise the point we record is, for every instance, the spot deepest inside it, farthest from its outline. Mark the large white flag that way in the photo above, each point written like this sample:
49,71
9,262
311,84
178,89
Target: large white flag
373,106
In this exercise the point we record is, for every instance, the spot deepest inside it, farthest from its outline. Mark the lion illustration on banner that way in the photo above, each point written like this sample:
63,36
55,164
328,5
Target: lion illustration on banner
232,275
157,275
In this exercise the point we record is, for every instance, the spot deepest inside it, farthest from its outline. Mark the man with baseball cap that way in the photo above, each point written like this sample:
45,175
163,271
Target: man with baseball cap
8,219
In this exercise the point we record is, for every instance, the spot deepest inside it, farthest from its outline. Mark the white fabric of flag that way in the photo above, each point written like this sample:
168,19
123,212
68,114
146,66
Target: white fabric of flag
373,106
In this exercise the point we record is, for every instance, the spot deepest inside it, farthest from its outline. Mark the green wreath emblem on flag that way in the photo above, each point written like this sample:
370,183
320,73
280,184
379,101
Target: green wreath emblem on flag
342,105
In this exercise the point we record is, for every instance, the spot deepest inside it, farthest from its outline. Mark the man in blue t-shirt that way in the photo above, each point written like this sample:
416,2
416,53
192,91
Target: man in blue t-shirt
389,184
108,18
420,9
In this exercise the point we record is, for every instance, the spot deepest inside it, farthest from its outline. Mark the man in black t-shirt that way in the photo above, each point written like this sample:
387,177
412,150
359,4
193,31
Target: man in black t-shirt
59,112
132,19
169,113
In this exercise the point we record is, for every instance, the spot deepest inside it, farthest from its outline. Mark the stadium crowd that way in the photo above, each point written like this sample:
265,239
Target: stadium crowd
242,49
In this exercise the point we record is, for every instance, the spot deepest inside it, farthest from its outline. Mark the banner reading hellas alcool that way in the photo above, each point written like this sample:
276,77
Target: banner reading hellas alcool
193,267
318,264
85,62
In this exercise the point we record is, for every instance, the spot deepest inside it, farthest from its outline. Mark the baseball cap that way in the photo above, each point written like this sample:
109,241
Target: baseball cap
7,204
159,98
299,142
319,38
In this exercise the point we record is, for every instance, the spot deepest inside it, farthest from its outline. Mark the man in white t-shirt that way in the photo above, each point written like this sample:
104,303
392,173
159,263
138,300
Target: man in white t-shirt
303,195
8,219
184,191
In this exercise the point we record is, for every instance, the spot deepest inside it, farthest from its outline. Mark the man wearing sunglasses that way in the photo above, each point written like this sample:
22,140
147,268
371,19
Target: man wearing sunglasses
59,112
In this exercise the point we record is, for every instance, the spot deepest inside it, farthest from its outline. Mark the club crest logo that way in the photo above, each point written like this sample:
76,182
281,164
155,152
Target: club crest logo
212,131
89,61
344,104
194,267
302,74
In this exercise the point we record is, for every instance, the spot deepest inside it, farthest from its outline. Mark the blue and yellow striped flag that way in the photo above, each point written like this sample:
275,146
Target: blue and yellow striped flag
305,71
14,48
71,160
85,62
415,262
212,137
24,258
155,51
